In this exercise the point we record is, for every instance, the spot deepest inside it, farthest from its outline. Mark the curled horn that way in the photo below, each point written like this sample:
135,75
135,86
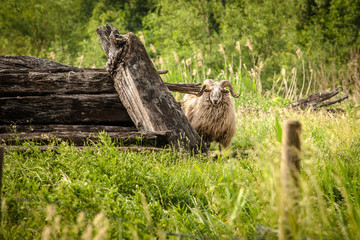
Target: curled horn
207,83
226,83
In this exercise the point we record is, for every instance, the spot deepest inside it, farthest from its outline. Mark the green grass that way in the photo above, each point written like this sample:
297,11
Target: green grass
100,193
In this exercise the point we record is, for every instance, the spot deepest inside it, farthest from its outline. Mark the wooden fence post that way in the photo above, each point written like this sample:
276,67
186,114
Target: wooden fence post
290,173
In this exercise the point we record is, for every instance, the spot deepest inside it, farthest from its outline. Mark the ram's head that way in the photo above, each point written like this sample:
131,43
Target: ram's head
216,90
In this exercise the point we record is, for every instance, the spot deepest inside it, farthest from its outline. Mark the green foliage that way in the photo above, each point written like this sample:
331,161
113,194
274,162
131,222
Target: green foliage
330,24
251,43
124,15
196,33
49,29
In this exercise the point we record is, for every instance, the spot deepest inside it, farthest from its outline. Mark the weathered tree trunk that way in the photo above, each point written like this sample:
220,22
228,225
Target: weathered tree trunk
40,82
27,62
44,128
148,101
42,100
64,109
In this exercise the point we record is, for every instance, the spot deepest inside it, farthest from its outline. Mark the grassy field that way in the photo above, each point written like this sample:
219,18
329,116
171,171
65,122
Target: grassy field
100,193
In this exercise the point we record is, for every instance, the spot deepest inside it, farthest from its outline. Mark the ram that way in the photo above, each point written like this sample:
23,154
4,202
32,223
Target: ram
211,112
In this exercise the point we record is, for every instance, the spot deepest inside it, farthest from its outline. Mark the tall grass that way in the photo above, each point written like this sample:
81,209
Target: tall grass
303,76
100,193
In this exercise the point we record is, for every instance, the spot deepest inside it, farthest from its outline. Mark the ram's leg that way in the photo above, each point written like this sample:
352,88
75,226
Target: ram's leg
219,155
207,145
220,150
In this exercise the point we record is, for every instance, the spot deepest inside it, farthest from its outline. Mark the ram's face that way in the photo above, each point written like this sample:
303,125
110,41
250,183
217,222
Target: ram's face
216,93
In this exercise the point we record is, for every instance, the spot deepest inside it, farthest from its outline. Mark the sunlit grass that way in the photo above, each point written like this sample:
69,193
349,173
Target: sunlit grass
171,194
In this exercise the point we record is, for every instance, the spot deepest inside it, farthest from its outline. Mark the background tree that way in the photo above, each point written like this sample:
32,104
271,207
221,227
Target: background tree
269,41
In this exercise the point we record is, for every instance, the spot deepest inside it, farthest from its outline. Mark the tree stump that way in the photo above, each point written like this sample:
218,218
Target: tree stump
141,90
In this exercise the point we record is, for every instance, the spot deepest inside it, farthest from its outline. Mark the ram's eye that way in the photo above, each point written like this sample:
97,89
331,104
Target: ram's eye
207,90
224,90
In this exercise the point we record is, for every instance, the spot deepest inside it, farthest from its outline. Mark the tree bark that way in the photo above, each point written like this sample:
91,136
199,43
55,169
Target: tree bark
28,62
38,83
64,109
148,101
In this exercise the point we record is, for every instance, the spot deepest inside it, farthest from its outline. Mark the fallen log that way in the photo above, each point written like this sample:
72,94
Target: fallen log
148,101
42,100
30,128
40,82
331,102
27,76
158,139
64,109
317,100
28,62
